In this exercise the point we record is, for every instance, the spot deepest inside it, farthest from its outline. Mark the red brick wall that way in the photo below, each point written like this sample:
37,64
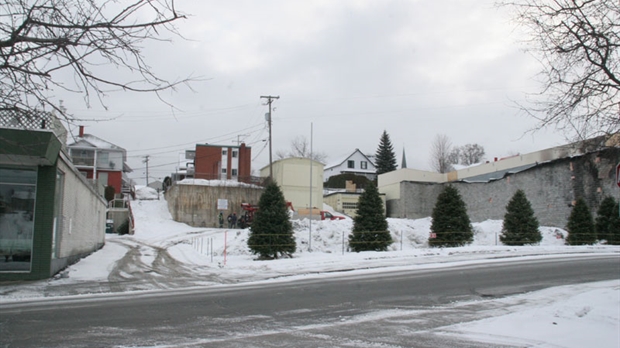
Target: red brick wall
207,162
245,161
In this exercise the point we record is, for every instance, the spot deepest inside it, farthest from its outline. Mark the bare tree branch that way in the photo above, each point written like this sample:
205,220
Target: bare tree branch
41,37
441,147
301,148
578,45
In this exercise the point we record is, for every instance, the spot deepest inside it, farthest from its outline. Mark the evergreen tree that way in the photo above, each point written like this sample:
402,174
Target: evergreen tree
370,227
520,226
271,232
606,211
580,225
385,160
451,224
613,233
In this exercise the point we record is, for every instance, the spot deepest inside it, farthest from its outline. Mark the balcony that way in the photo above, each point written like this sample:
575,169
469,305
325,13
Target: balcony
83,161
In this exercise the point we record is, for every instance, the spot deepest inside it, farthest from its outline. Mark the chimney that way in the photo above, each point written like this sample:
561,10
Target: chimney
81,135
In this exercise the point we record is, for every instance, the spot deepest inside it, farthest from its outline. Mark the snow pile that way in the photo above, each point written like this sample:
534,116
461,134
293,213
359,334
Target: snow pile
203,182
146,193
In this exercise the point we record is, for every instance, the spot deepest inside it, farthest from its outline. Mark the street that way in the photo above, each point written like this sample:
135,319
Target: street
401,309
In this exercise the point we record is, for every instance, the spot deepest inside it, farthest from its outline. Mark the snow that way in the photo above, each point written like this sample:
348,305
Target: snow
568,316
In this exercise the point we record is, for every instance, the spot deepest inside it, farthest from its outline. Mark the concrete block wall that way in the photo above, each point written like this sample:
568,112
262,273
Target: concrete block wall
196,205
83,211
551,187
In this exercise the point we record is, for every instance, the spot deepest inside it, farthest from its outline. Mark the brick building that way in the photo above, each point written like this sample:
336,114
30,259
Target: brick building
223,162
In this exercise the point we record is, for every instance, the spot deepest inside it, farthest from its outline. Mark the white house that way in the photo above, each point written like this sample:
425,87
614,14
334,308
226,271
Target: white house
356,163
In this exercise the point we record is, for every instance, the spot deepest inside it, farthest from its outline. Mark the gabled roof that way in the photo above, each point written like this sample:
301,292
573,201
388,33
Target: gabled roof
89,140
344,159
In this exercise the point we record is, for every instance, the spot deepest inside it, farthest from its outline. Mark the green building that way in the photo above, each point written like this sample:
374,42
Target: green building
50,214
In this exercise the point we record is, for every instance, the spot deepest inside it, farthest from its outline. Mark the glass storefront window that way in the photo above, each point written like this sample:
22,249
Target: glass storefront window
17,202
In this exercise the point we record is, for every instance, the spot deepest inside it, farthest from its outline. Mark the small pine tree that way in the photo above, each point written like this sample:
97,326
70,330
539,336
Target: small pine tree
385,160
606,211
271,233
520,226
613,233
370,227
451,224
109,193
580,225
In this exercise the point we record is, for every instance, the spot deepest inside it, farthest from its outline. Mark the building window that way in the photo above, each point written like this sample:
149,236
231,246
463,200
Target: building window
364,165
234,172
17,202
234,153
224,152
350,164
223,170
349,205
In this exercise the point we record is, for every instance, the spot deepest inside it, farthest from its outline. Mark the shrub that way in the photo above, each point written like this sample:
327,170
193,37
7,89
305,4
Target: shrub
370,227
451,224
520,226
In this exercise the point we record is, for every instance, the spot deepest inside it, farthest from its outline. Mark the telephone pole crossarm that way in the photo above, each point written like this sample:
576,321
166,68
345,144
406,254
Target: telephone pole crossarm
270,99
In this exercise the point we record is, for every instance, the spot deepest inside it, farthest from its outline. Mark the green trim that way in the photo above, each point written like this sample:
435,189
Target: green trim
28,147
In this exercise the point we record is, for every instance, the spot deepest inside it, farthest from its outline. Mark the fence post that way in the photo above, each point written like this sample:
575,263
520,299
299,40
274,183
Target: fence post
342,242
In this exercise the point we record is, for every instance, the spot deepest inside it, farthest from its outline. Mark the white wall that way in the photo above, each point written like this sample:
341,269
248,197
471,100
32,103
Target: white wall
83,212
293,176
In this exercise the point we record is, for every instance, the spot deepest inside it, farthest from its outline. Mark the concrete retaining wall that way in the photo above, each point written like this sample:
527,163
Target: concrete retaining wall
552,188
196,205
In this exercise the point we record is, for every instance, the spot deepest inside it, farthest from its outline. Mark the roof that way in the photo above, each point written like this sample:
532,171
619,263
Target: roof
343,159
89,140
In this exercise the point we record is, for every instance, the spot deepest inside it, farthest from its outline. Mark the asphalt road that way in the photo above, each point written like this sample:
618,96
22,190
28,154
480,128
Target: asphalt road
390,309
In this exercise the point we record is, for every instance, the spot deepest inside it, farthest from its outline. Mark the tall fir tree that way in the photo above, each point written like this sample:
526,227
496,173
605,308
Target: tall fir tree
385,159
613,233
451,224
580,225
606,211
271,233
370,227
520,226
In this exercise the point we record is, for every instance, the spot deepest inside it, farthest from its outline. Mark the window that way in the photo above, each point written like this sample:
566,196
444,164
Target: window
349,205
364,165
57,226
17,202
224,152
223,170
350,164
234,172
234,153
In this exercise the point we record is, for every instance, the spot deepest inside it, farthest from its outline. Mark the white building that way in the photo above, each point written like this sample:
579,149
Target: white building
356,163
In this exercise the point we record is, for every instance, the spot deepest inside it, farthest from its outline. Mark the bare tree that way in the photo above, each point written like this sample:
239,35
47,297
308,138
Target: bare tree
455,155
471,154
577,42
440,154
40,39
300,147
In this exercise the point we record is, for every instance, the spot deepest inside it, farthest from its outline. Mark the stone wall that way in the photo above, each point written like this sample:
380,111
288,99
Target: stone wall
551,187
196,205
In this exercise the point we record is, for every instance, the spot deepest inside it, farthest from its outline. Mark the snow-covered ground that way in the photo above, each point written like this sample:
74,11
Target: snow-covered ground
164,254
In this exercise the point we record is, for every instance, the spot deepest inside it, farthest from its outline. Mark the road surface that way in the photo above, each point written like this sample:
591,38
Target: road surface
389,309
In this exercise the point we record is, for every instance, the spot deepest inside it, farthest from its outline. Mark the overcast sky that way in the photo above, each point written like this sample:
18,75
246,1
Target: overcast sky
350,68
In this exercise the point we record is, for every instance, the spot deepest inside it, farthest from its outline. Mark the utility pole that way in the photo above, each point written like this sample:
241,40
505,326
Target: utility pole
146,160
270,99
